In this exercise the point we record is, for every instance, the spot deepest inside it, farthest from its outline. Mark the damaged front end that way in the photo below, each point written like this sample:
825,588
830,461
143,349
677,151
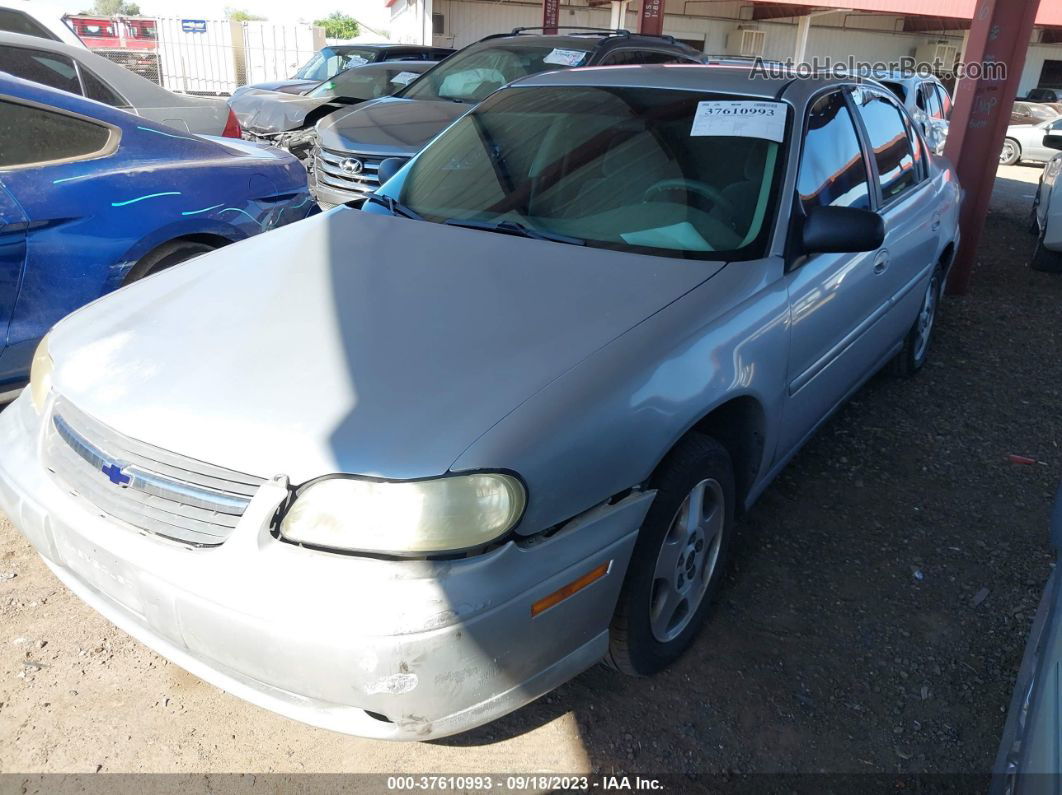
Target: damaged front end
300,143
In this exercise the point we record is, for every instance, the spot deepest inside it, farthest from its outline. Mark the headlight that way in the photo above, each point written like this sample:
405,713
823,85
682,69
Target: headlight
41,375
405,517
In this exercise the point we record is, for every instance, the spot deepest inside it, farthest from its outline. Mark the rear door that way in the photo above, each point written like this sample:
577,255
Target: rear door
836,300
908,201
12,257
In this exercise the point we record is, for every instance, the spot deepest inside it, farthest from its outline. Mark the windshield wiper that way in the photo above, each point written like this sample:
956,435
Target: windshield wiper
515,228
394,206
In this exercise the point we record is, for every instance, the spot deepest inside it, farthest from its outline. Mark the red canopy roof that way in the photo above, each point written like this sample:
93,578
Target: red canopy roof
1050,12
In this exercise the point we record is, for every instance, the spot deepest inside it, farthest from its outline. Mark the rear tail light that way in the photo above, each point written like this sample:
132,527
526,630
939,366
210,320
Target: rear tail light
232,127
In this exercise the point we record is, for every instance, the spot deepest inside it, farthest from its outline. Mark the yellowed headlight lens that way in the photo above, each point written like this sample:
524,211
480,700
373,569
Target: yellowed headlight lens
41,375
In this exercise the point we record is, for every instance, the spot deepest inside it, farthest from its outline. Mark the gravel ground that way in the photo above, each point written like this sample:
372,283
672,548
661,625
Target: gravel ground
873,622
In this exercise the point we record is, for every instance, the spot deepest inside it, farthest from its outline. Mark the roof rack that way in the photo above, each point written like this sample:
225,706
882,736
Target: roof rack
587,31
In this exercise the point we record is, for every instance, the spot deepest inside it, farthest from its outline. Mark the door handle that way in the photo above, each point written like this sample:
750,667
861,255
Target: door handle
936,224
881,264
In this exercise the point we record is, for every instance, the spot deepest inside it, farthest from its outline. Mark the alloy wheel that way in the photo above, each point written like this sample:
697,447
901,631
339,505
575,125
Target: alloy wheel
687,560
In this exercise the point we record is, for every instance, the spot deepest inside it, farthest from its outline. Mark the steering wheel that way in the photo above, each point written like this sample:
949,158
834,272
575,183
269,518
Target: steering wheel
710,192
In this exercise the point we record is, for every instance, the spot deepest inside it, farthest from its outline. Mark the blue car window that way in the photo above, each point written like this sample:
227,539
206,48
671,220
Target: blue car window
34,135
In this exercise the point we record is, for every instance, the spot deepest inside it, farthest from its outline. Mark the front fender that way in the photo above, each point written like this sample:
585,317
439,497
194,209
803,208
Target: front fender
603,426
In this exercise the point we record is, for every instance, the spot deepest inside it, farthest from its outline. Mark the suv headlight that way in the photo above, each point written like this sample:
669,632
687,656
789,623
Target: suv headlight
405,517
41,375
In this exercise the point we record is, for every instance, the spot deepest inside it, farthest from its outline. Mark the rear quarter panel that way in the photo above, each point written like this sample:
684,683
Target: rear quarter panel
94,219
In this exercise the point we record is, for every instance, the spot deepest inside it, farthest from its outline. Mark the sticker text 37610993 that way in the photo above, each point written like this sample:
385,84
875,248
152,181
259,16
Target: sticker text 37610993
740,118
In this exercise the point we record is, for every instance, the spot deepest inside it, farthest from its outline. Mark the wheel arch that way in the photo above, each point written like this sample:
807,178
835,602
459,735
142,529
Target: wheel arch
739,424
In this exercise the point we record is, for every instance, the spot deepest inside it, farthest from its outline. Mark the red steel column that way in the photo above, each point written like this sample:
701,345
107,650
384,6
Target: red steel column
651,18
1000,32
550,15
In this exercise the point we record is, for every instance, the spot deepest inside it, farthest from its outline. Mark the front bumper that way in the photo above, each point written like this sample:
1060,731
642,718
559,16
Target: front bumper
401,650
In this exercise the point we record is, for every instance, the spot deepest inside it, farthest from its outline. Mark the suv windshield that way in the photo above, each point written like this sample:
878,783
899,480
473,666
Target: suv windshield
331,61
478,71
610,167
368,82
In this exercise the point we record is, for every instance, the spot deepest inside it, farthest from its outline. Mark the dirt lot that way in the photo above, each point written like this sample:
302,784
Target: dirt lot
874,619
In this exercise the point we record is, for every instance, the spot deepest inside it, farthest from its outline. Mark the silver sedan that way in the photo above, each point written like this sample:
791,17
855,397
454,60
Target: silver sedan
79,71
400,470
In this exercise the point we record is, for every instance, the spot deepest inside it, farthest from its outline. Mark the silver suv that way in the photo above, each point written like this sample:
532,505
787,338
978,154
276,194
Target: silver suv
399,471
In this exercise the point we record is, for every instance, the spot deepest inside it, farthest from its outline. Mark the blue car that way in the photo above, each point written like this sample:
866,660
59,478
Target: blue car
93,198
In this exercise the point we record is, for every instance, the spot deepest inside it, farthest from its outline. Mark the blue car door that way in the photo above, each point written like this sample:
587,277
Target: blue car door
46,172
12,259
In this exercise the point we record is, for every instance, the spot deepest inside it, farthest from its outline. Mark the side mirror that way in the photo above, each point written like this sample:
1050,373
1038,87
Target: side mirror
388,168
1053,140
842,230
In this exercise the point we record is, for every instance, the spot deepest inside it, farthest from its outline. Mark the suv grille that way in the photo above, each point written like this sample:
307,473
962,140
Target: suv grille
144,486
328,166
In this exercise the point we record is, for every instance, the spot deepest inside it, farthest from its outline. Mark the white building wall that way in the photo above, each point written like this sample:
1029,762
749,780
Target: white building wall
839,35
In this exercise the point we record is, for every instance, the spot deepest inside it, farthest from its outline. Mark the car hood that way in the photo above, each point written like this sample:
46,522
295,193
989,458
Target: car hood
351,342
388,127
265,112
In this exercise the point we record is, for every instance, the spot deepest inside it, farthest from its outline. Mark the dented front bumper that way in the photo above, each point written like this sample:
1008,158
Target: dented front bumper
401,650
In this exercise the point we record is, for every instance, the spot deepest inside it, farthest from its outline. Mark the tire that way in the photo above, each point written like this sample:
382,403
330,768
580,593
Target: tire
916,345
1043,259
641,643
165,256
1011,152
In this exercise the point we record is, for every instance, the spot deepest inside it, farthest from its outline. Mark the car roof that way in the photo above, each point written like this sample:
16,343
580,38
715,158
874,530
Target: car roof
382,46
592,38
138,91
725,79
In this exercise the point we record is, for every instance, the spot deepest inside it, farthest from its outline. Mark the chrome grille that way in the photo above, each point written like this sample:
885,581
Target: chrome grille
327,164
144,486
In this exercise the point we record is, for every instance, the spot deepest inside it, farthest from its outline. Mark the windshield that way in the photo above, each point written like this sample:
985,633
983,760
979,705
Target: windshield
369,82
331,61
620,168
478,71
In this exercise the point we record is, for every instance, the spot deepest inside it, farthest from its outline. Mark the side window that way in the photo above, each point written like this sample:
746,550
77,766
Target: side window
14,21
932,102
889,140
945,100
634,57
833,171
35,135
40,66
98,90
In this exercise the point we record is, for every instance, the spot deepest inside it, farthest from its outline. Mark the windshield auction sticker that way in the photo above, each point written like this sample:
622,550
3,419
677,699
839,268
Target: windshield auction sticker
740,119
565,57
404,77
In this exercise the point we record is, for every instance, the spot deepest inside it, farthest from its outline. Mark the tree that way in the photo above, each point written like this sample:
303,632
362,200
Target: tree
338,25
239,15
113,8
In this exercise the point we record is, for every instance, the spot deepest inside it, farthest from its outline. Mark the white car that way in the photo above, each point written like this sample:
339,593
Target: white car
926,99
1025,143
37,19
1047,207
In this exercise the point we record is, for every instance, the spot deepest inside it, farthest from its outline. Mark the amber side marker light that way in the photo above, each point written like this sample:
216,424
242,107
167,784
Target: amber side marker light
572,588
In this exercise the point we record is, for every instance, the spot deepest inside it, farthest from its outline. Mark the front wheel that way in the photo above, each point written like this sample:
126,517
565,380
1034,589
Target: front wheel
678,560
1011,152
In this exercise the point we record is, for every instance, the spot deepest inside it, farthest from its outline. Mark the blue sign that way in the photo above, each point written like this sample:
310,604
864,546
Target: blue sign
193,25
